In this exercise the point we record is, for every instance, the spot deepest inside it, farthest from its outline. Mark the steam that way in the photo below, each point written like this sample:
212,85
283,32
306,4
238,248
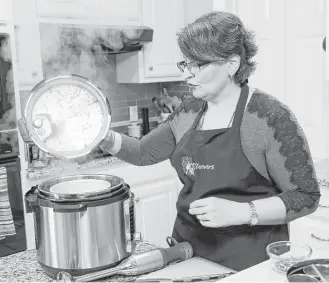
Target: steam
80,51
7,95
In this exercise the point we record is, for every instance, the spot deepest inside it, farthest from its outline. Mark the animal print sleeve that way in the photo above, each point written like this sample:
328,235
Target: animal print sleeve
288,158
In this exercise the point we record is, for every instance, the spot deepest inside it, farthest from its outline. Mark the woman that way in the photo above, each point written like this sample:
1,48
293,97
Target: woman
240,153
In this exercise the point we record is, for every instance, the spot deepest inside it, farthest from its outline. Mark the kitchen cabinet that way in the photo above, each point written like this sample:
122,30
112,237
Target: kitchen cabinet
127,12
285,31
6,12
28,55
155,209
28,49
157,61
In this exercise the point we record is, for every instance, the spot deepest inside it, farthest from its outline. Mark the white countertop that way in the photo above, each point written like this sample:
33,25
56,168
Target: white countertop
264,271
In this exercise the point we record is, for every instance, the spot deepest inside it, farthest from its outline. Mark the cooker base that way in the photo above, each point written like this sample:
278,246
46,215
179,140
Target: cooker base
52,272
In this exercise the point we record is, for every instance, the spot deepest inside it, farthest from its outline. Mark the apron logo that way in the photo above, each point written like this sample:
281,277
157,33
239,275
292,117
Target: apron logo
189,167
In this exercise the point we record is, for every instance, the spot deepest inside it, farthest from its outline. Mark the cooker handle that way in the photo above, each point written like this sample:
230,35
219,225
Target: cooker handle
126,208
79,207
31,199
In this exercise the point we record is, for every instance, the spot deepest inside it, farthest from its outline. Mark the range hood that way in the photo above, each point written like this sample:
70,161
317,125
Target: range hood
115,40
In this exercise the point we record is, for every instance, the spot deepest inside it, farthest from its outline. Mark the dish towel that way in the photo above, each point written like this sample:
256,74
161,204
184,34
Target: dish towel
7,226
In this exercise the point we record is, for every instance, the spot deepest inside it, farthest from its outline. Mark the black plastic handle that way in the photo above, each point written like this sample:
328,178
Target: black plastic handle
31,199
21,124
179,252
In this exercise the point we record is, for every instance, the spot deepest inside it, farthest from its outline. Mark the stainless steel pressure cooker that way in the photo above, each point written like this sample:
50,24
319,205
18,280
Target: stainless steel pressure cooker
81,232
83,223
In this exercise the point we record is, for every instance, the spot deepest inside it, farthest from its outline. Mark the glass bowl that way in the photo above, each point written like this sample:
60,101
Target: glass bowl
285,254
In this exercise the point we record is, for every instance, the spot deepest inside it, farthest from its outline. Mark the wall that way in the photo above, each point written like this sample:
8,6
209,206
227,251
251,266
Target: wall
195,8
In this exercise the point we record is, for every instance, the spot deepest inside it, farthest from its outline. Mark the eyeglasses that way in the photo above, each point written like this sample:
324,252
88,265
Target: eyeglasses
182,65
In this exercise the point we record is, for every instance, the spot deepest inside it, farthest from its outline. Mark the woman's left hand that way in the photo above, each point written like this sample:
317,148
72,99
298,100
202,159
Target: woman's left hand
217,212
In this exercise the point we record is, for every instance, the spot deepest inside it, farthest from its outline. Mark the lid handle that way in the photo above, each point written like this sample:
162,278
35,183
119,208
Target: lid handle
43,126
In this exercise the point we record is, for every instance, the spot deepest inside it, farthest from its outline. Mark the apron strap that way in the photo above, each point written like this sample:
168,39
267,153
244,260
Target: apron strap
240,107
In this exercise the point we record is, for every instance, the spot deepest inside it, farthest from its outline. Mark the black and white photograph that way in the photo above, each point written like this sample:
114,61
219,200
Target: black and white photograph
164,141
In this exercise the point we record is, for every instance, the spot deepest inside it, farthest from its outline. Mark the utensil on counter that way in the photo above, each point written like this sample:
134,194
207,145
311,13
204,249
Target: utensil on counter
159,105
145,119
172,102
315,270
166,103
208,278
138,264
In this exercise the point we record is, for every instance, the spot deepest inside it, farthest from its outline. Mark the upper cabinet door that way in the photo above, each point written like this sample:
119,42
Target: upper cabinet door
305,70
109,11
28,50
161,56
264,18
6,11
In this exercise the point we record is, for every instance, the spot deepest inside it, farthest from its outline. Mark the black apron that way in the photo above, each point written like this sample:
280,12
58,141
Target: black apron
211,163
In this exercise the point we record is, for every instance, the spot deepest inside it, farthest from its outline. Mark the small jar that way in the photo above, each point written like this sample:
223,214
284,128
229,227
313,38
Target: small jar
134,130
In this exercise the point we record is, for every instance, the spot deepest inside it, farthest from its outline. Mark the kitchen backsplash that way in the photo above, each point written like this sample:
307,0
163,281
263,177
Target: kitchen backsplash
179,89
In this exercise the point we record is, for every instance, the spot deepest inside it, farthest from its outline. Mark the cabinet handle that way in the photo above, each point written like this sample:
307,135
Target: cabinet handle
137,236
319,238
151,68
136,199
323,205
34,74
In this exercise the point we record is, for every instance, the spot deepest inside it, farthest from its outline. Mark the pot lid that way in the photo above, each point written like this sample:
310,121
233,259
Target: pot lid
81,187
67,116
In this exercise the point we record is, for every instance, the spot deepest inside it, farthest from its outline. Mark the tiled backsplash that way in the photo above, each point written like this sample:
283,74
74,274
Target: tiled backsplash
179,89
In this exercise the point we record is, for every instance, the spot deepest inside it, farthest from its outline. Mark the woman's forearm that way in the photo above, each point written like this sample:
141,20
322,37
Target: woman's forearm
271,211
152,148
112,143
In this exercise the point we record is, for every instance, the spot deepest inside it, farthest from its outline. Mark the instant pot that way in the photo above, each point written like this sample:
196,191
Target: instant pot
85,222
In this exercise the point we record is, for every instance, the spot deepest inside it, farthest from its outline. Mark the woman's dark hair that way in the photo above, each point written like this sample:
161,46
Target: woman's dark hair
217,35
